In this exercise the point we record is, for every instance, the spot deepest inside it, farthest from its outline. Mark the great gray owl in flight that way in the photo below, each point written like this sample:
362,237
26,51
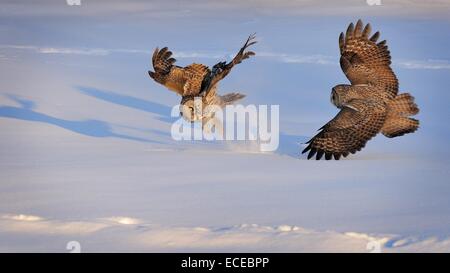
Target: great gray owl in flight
371,104
197,80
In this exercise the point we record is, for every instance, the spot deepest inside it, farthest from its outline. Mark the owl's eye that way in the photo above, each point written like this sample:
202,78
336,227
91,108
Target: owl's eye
192,109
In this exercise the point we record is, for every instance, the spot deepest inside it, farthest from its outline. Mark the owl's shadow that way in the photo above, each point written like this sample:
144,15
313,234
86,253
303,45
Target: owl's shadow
289,145
90,127
161,110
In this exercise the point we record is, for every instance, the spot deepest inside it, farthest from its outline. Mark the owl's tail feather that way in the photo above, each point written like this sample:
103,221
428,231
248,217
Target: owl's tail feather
399,126
231,98
397,122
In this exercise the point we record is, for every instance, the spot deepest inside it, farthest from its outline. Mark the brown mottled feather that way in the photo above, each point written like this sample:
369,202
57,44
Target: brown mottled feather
162,63
194,75
365,62
370,105
190,80
183,80
397,122
349,131
398,126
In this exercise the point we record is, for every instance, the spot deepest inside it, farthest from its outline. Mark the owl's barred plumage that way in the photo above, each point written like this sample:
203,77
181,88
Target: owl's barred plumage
371,104
197,79
364,61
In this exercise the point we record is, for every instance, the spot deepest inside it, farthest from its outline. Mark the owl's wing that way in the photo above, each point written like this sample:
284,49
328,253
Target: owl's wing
222,69
162,61
184,80
194,75
348,132
364,61
166,72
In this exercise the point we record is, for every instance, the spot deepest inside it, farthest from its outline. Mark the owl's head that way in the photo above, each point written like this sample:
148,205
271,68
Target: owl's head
195,108
341,94
190,109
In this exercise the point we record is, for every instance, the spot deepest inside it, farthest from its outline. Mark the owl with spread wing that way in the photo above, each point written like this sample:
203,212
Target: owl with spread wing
197,80
371,104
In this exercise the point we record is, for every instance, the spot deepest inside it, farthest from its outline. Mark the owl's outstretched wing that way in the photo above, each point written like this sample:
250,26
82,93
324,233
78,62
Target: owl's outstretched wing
185,81
348,132
162,61
364,61
222,69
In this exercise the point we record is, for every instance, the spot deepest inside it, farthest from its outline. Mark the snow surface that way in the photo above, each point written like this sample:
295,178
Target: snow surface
117,187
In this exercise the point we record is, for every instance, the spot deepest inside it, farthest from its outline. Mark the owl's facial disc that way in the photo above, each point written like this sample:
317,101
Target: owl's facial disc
334,97
191,109
340,94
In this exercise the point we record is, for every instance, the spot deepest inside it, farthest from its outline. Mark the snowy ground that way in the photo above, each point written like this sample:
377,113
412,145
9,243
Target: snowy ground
87,156
120,183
